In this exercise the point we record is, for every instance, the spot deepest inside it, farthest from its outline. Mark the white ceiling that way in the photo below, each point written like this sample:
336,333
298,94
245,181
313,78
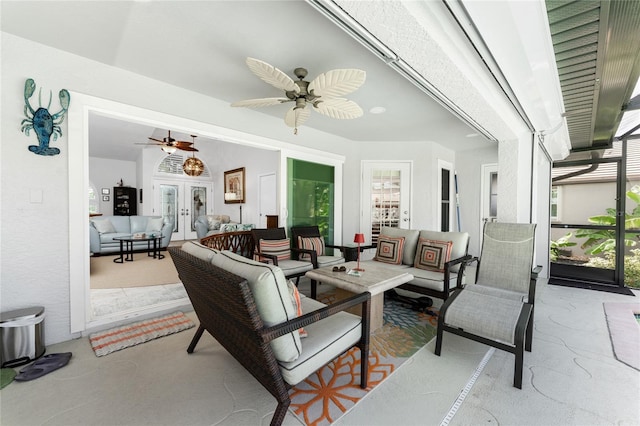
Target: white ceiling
202,45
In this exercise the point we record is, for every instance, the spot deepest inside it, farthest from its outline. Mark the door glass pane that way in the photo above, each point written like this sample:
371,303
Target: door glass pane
385,201
445,200
169,204
310,196
493,195
198,204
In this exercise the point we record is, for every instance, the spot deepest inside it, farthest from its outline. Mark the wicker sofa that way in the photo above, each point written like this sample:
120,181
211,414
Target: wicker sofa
247,306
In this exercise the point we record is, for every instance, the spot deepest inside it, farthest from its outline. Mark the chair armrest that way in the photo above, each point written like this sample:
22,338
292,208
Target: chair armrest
281,329
532,284
271,257
535,271
296,252
464,259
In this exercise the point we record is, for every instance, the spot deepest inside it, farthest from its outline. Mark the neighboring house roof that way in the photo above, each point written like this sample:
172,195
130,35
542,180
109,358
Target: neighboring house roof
603,172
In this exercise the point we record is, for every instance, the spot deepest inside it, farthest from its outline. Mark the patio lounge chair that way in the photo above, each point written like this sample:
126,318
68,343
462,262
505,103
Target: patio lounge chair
498,309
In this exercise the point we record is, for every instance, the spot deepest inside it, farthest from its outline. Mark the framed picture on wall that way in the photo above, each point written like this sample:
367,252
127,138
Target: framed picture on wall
105,198
234,186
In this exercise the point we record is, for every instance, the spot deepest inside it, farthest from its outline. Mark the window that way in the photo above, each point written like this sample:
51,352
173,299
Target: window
94,205
555,203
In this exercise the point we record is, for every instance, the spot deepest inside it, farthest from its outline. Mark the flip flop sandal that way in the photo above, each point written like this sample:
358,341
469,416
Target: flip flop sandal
44,365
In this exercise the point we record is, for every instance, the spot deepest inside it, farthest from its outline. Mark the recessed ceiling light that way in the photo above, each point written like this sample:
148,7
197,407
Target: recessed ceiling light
472,135
377,110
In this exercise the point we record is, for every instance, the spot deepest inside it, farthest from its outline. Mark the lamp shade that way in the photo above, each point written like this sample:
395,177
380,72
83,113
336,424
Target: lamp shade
359,238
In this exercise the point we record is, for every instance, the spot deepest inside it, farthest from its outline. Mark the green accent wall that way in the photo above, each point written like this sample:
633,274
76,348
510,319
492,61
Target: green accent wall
311,192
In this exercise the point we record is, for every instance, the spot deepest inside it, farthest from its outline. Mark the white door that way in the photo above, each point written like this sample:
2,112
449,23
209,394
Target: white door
488,196
182,203
386,195
268,194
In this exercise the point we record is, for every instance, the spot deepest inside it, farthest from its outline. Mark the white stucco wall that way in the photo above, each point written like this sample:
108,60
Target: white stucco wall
37,273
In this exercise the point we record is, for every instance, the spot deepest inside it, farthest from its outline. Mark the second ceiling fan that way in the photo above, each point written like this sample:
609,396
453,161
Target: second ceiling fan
170,145
321,94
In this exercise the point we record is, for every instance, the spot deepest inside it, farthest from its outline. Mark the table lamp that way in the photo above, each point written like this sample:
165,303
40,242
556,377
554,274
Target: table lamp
359,238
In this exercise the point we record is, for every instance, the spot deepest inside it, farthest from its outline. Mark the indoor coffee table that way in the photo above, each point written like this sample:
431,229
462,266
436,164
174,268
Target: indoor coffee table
376,279
126,247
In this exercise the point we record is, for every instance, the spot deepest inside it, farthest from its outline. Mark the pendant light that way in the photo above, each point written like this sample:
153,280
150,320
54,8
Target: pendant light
193,166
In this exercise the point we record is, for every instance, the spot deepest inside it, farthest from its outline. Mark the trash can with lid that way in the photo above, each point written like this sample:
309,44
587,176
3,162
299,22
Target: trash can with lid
22,336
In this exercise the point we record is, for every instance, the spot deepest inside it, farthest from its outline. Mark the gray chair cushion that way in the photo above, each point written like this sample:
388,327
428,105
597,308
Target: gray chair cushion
498,323
327,339
271,294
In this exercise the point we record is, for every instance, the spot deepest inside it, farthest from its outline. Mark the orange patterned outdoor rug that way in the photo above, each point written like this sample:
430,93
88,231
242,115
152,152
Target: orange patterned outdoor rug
115,339
334,389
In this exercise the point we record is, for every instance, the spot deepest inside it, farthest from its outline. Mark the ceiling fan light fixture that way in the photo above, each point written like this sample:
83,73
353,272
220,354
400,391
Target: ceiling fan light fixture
169,149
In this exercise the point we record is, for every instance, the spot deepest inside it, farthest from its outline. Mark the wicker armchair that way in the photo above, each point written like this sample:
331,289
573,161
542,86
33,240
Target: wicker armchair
227,309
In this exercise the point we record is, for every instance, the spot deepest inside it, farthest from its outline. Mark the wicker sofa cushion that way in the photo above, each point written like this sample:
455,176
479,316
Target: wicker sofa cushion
327,339
198,250
271,294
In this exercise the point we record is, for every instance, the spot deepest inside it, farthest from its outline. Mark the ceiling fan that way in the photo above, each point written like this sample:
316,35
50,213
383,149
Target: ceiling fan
321,93
170,145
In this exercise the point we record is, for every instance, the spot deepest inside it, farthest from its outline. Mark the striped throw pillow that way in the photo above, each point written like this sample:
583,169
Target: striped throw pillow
279,248
389,249
297,304
432,254
311,243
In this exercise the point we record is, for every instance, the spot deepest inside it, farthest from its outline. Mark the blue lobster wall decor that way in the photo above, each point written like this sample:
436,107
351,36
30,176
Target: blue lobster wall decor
41,121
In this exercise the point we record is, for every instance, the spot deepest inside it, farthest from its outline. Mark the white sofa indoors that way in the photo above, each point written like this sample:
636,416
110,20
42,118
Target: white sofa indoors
211,224
103,229
433,275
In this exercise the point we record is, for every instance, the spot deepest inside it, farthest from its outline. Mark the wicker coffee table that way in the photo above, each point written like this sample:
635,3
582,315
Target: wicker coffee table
376,279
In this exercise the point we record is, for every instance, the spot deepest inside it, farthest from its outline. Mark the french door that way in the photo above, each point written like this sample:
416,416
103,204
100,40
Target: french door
182,203
386,195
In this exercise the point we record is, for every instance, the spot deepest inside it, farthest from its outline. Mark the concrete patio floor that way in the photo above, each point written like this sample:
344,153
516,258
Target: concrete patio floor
570,378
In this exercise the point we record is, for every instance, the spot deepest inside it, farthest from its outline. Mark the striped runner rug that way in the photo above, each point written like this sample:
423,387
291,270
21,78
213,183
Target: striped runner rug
115,339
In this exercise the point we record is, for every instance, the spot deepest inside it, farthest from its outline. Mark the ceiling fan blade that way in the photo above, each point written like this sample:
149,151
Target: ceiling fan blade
296,116
337,82
262,102
339,108
272,75
185,146
158,140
